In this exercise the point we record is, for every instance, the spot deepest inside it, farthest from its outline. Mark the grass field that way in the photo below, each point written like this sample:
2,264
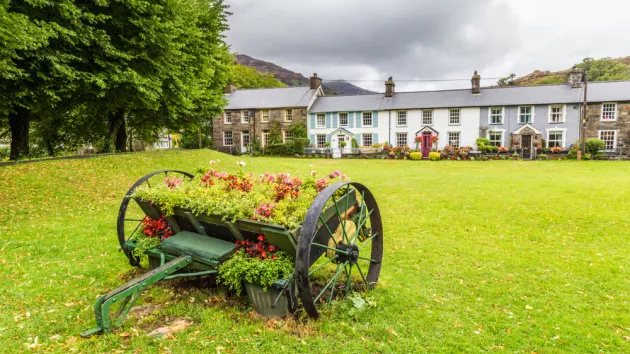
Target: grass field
479,256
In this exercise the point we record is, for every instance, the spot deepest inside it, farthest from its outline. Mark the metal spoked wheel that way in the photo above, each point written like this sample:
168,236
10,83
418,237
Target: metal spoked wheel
340,247
130,215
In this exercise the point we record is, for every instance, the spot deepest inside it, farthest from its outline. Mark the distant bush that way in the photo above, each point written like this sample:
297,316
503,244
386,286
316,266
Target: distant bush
482,142
355,145
573,152
543,157
190,140
5,152
434,156
416,155
299,144
279,150
593,146
587,156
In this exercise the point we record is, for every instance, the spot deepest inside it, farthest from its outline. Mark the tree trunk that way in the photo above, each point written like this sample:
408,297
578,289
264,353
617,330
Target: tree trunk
116,132
121,136
19,121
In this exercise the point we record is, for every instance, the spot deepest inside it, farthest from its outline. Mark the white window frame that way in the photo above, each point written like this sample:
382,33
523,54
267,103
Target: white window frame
459,116
398,117
459,139
245,113
430,111
264,136
531,114
317,141
557,130
339,119
243,140
317,116
615,137
501,116
564,113
286,115
262,115
371,135
225,138
406,135
363,115
284,136
500,131
225,117
616,112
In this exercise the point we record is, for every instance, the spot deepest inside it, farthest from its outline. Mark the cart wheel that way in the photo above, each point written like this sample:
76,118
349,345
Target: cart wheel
130,215
340,247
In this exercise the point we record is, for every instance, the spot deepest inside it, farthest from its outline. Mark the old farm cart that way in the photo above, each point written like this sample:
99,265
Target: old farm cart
337,249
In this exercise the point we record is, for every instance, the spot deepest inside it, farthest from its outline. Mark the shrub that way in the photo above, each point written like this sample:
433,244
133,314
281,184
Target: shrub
572,154
587,156
434,156
5,152
377,145
515,156
279,150
417,155
593,146
342,144
355,144
299,144
190,140
543,157
482,142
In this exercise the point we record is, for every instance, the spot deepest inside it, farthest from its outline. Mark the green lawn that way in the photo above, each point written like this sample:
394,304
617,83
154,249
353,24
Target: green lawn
479,256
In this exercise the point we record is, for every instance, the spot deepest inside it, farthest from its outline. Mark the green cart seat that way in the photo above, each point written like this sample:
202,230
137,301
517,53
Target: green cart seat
198,246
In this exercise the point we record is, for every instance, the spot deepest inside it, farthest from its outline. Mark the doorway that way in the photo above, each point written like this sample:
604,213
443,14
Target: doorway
527,146
426,145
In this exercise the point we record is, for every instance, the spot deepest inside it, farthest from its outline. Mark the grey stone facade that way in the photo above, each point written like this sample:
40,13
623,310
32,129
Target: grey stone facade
595,124
254,129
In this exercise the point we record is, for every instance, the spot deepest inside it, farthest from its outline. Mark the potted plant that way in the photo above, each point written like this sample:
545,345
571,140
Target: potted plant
256,266
418,140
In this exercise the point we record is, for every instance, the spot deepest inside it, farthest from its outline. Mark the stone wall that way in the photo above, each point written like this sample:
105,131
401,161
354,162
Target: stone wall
622,125
255,127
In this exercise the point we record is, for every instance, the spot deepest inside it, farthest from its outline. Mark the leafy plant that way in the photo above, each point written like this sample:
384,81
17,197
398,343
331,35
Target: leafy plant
593,146
342,144
587,156
434,156
355,144
416,156
153,232
543,157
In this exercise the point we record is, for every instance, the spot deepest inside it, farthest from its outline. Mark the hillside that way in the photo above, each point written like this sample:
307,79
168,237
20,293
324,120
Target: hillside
604,69
295,79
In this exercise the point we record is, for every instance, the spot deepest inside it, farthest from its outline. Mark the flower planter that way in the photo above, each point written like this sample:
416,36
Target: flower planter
263,300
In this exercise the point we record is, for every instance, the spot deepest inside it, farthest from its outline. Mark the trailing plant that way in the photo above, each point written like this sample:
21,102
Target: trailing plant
257,263
152,233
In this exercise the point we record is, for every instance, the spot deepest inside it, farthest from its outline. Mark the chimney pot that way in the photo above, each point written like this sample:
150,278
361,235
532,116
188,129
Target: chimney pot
315,82
229,88
476,83
389,87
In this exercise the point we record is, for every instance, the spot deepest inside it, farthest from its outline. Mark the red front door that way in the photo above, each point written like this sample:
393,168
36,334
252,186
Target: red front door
426,145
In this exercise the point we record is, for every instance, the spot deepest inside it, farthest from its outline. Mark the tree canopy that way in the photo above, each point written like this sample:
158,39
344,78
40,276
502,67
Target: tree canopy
605,69
248,78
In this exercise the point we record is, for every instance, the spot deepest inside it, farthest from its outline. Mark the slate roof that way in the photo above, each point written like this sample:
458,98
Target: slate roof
270,98
491,96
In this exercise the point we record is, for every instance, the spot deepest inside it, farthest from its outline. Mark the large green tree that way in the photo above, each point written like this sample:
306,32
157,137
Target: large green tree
248,78
605,69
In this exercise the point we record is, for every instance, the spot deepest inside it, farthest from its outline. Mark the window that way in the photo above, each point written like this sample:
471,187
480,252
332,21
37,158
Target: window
556,139
367,140
288,115
244,116
609,111
288,135
367,119
610,138
266,138
401,139
228,117
496,115
265,116
525,115
402,119
453,139
227,138
427,117
321,120
556,114
245,138
321,140
343,119
454,116
496,138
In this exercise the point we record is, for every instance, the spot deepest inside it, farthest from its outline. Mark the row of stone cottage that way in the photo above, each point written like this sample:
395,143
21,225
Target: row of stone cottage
515,117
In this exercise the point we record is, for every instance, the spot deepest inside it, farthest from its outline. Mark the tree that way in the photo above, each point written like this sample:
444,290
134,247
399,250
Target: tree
248,78
507,81
604,69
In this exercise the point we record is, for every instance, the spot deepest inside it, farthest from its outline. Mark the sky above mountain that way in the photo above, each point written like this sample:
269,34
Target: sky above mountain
366,41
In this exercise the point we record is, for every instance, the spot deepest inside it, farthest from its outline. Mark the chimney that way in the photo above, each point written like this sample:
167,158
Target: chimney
229,88
315,82
575,77
476,83
389,87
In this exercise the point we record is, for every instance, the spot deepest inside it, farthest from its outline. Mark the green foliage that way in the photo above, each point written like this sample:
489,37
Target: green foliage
482,142
299,144
299,131
416,155
543,157
587,156
605,69
553,79
248,78
572,154
593,146
507,81
357,304
275,132
145,243
342,144
190,140
240,268
355,144
280,149
434,156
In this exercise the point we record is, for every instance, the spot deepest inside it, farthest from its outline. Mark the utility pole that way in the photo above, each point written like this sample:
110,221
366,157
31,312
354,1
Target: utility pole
584,113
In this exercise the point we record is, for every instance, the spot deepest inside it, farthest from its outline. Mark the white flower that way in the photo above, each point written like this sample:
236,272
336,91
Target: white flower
241,163
313,173
311,166
212,162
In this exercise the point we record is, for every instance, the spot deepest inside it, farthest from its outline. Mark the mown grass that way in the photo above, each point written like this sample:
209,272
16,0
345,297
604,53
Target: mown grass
479,256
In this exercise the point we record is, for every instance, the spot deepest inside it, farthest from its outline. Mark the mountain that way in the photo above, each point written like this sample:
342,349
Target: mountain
295,79
604,69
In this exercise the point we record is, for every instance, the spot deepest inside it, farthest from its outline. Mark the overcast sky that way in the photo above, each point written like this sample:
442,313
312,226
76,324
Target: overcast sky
427,39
